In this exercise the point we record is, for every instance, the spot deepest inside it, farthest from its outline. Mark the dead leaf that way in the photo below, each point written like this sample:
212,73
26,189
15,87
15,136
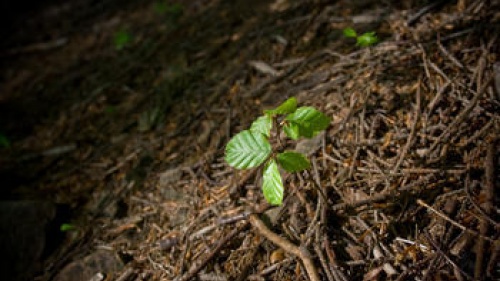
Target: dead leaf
263,68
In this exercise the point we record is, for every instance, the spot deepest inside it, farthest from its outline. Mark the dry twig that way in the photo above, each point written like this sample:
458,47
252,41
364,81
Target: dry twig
286,245
489,194
217,247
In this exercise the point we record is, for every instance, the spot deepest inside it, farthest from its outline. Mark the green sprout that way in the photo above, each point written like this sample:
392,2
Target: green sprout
364,40
4,141
164,7
110,109
65,227
251,148
121,39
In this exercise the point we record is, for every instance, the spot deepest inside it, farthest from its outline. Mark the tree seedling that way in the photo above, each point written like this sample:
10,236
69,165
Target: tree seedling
121,39
4,141
252,148
364,40
65,227
110,109
172,9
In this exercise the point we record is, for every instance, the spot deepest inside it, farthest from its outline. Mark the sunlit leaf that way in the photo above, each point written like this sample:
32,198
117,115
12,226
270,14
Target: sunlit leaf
367,39
288,106
66,227
272,185
349,32
247,150
293,161
262,125
291,130
309,121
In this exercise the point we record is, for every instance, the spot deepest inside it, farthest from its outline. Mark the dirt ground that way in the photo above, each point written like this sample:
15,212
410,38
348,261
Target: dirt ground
118,112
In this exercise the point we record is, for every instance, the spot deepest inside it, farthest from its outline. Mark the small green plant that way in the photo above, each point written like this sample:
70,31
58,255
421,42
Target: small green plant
252,148
121,39
4,141
110,109
65,227
149,119
171,9
364,40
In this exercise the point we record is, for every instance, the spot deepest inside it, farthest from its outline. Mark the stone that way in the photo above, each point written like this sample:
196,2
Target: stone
24,225
101,262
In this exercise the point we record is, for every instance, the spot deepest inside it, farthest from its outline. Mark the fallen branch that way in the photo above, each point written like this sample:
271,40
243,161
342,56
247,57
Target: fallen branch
286,245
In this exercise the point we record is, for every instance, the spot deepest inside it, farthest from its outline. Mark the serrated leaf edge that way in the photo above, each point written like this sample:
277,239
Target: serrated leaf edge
244,160
292,154
272,184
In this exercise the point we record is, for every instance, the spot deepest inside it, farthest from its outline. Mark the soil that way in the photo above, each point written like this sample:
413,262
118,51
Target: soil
118,113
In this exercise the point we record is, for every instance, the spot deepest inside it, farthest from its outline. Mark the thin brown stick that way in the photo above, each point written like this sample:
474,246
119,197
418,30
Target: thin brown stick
439,71
317,181
352,104
432,104
355,155
433,264
452,58
334,267
286,245
444,255
218,246
479,133
426,9
476,206
324,263
461,117
413,131
237,183
382,196
489,192
490,177
494,259
446,218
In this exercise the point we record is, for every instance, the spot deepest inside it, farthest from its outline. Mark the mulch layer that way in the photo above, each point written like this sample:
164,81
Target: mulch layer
403,185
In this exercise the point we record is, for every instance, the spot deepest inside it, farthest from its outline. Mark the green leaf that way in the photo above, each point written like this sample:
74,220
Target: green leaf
309,121
122,38
4,141
110,109
292,130
66,227
272,185
349,32
293,161
175,9
160,7
247,150
367,39
262,125
288,106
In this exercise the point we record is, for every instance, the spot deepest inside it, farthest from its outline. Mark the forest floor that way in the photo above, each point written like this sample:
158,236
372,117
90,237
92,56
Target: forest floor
121,110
